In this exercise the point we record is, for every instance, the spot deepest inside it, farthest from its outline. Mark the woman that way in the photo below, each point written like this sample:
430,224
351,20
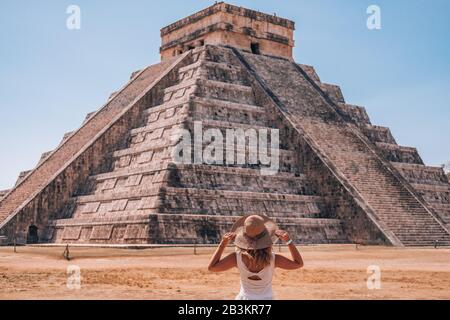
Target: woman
254,237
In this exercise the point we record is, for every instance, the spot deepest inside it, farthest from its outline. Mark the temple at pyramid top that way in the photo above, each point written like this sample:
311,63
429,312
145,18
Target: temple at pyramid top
225,24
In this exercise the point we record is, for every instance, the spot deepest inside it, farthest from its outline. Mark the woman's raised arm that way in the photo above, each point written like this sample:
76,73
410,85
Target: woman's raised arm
283,262
218,265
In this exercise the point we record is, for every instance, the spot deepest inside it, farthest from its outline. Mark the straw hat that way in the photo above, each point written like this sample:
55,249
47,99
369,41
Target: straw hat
255,232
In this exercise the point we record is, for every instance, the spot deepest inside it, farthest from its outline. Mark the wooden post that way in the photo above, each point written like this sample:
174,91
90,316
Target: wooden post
66,253
14,240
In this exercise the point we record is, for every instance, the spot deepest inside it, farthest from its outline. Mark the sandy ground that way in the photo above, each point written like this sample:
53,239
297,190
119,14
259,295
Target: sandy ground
330,272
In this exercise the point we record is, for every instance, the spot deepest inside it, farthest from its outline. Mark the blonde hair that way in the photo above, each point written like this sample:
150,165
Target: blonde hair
259,259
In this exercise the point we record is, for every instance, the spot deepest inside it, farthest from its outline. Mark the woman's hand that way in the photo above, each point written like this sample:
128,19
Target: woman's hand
283,235
228,237
283,262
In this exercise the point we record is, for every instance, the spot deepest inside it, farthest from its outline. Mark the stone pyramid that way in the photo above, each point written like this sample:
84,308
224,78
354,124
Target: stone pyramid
340,179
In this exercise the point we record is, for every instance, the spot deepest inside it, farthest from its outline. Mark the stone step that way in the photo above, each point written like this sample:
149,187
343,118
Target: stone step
211,64
220,54
154,167
167,144
421,174
170,127
117,203
181,229
216,71
206,201
202,176
431,187
166,139
214,109
333,91
378,134
434,194
125,173
129,181
221,104
161,144
108,195
357,114
119,195
396,153
442,207
203,108
180,91
225,91
238,179
231,194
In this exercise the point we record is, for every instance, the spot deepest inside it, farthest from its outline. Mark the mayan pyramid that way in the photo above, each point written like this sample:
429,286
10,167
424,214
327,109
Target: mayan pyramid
341,179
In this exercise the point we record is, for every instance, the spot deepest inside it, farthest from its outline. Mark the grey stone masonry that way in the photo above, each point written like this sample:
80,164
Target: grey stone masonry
147,198
364,158
340,179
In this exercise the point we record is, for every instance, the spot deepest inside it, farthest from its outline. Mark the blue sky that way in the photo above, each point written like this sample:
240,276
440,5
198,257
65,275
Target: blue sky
51,77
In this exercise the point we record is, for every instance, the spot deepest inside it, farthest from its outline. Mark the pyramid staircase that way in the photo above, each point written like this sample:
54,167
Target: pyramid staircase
404,198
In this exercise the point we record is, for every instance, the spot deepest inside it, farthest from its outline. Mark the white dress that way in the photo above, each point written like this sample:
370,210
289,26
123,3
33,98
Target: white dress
255,289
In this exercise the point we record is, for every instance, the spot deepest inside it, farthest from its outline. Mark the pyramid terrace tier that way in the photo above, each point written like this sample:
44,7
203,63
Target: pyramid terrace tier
216,71
443,209
201,109
145,154
162,123
396,153
378,134
356,114
181,229
439,194
238,203
421,174
124,200
204,177
239,179
165,132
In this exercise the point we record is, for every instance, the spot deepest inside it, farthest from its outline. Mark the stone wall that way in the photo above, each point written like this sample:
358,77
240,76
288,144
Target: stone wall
361,167
49,202
223,24
338,202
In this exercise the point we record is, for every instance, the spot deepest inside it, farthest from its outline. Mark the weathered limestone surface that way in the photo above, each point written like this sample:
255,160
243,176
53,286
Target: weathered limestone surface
50,185
392,204
223,24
